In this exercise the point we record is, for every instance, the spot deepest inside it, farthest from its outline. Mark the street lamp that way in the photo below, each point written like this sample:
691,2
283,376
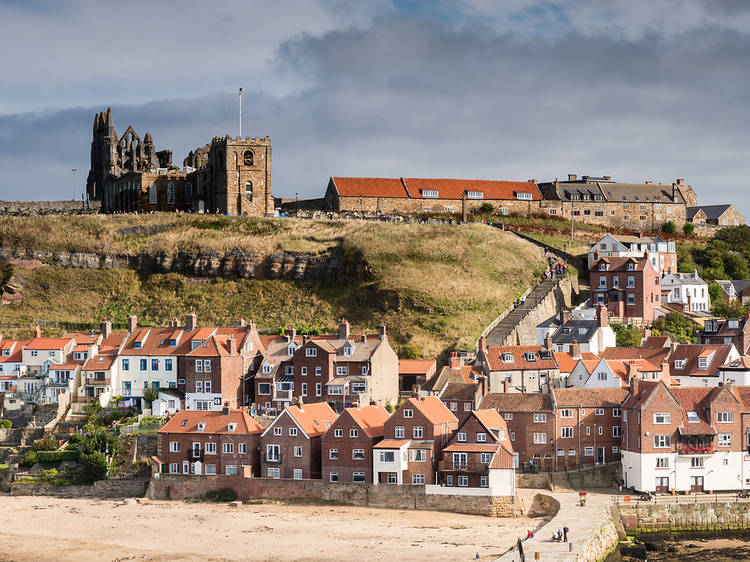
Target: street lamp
74,170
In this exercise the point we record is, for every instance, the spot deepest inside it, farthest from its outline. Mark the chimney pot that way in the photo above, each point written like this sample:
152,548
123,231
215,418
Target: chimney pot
132,323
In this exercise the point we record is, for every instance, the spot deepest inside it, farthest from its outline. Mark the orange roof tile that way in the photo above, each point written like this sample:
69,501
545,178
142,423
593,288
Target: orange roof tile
454,188
370,418
494,357
391,444
186,421
590,397
416,366
369,187
473,447
99,362
314,418
48,343
433,409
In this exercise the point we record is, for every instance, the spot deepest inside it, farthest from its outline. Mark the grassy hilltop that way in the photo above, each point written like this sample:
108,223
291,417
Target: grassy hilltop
435,286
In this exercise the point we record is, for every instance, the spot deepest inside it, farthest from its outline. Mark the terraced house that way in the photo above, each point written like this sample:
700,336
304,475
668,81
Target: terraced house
518,368
340,369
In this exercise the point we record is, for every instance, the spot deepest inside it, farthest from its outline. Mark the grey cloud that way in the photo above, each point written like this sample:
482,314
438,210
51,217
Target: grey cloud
410,96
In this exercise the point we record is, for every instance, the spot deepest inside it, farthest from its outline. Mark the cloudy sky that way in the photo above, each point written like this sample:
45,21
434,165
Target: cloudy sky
636,89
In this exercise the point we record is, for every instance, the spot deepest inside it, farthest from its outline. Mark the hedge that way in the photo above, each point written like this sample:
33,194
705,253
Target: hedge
49,457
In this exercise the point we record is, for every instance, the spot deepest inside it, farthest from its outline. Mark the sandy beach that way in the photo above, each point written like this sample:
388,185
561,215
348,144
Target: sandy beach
48,528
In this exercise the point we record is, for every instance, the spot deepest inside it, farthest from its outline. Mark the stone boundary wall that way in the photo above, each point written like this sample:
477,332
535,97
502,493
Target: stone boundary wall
180,487
685,516
600,544
100,489
243,265
562,295
30,208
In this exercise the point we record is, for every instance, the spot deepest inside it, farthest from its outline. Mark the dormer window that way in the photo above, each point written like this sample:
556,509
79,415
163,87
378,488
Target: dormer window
201,426
196,344
524,196
267,368
692,417
703,362
430,193
602,267
734,324
475,194
231,427
680,363
631,266
530,357
137,345
348,350
507,357
172,343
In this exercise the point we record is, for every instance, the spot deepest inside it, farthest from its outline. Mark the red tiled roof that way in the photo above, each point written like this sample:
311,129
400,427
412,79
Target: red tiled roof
99,363
590,397
370,418
369,187
81,338
490,418
496,363
391,444
473,447
503,458
16,355
454,188
416,366
743,363
48,343
655,341
654,355
69,366
517,402
433,409
215,422
314,418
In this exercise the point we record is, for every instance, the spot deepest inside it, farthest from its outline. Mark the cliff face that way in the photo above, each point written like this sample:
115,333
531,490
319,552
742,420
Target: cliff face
327,268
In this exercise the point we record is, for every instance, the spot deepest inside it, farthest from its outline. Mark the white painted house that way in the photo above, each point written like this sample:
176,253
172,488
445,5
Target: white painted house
687,290
663,254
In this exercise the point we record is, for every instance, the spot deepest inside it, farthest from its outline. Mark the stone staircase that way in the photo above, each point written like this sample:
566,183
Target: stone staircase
507,325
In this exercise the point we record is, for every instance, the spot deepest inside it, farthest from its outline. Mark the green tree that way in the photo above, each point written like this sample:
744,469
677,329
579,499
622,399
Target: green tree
669,227
677,326
688,228
94,449
150,394
486,208
409,351
627,335
735,267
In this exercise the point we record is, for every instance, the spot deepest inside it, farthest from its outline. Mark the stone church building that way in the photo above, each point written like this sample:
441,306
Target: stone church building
228,175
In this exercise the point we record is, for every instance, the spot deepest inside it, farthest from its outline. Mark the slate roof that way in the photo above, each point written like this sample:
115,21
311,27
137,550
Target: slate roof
581,331
711,211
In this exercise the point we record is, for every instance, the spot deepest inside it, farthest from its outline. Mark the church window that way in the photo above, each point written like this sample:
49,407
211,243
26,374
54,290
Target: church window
188,192
249,190
170,193
248,158
152,194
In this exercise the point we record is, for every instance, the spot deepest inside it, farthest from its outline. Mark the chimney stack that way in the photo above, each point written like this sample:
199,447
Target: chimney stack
132,323
548,340
575,350
305,339
482,344
364,338
455,362
680,181
572,177
240,323
343,329
564,315
225,409
37,331
601,316
232,345
381,330
505,385
300,404
105,328
634,386
483,385
415,390
191,322
291,333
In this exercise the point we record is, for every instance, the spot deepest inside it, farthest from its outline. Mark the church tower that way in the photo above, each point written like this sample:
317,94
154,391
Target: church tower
103,155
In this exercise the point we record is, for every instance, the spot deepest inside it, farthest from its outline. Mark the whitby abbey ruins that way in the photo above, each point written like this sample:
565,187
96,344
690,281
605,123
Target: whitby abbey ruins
228,175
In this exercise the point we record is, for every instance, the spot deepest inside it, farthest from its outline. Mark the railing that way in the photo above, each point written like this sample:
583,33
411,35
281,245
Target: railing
688,449
451,466
271,458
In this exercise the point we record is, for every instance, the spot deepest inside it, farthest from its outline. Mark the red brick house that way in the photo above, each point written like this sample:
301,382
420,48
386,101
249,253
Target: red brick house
531,425
347,445
479,455
291,445
727,330
628,287
414,372
588,426
518,368
413,438
213,442
684,439
341,369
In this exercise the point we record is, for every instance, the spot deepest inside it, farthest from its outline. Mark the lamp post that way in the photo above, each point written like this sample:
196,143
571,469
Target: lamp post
74,170
240,94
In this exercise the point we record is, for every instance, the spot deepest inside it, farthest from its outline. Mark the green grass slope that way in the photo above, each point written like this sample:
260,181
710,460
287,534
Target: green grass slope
435,286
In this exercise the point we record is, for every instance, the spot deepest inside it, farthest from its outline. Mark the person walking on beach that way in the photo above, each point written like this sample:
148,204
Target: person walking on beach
565,533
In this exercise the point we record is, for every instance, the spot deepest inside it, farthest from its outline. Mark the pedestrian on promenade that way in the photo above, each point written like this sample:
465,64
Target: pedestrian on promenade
565,533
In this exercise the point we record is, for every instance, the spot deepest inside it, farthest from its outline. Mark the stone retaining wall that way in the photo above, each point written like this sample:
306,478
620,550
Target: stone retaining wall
600,544
27,208
685,516
180,487
100,489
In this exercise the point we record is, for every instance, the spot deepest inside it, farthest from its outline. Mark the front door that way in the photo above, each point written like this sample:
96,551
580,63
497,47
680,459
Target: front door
662,485
600,455
696,484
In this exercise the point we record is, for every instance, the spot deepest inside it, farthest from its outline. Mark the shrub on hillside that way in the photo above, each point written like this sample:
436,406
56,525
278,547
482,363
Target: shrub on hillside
409,351
486,208
221,495
688,229
627,335
668,227
50,457
46,443
7,424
